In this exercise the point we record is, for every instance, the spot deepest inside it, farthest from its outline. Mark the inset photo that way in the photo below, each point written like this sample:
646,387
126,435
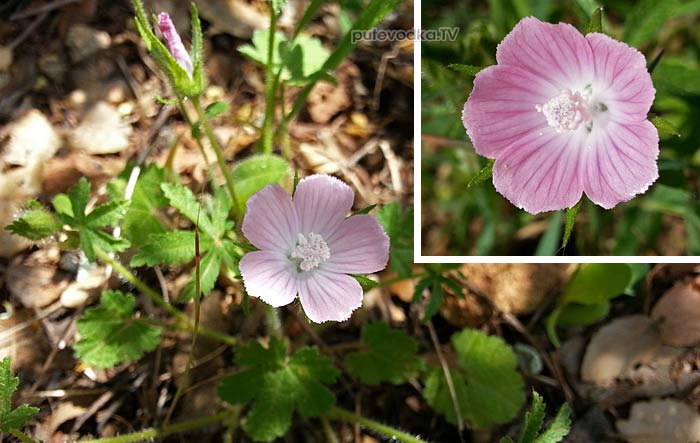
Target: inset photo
560,129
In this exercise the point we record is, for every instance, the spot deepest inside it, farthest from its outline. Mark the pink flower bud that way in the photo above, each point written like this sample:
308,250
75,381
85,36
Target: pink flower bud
174,43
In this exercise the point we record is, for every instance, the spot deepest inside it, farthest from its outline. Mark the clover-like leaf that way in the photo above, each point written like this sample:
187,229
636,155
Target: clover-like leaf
111,333
488,388
70,210
389,355
278,385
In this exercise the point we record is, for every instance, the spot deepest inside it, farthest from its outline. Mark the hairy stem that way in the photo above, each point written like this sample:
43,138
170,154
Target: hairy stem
158,300
271,81
153,433
393,433
204,120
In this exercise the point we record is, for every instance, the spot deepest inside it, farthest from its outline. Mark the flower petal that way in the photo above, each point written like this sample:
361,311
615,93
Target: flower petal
621,163
269,276
174,42
501,107
622,81
327,296
358,246
322,202
558,53
541,172
271,221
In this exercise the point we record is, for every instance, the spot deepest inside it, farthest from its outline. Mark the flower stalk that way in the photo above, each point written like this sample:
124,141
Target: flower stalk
154,433
271,81
391,432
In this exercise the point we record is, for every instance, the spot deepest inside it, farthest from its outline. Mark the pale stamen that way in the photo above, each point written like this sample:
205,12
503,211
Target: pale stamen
567,111
311,251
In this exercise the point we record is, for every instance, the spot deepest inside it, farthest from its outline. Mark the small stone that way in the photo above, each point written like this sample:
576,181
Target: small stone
84,41
101,131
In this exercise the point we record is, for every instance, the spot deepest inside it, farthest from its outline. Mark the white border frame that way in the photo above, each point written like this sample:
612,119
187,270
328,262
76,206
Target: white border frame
418,256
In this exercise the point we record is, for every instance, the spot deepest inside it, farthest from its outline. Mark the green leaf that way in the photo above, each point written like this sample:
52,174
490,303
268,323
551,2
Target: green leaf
173,247
397,221
182,199
142,219
467,69
664,127
79,196
489,390
35,224
210,267
586,297
111,334
12,418
597,282
559,428
571,214
550,239
298,60
217,108
437,296
596,23
389,355
256,172
367,283
278,385
366,210
108,214
676,77
649,16
70,210
533,419
485,174
574,314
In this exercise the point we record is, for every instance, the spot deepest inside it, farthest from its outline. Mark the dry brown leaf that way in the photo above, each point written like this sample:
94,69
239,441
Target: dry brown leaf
36,280
661,421
515,288
618,347
678,314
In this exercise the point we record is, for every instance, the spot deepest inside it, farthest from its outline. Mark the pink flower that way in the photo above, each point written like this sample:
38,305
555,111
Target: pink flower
174,43
564,114
308,246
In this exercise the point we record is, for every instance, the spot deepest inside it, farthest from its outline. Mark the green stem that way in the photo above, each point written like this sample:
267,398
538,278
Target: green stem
393,433
157,299
24,438
204,120
270,88
152,433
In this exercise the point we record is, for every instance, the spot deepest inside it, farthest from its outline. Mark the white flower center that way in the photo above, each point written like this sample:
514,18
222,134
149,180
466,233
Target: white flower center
568,110
311,251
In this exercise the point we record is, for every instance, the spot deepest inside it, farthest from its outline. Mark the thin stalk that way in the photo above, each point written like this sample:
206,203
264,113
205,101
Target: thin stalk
204,120
24,438
154,433
393,433
157,299
195,329
271,81
328,430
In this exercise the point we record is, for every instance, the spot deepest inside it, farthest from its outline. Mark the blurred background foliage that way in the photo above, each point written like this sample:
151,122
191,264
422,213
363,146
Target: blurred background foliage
479,221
